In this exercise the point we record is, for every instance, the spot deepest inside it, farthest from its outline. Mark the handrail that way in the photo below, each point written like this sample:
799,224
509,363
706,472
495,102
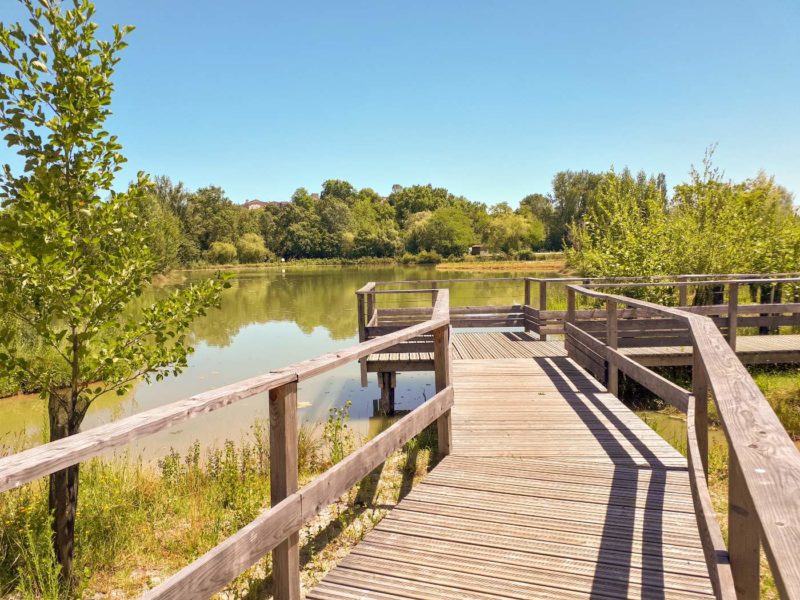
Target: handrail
764,473
545,322
277,529
25,466
220,565
728,276
744,281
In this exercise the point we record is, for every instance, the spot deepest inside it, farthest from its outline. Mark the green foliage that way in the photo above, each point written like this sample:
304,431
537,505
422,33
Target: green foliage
572,194
447,231
510,233
337,434
250,248
73,251
709,226
221,253
163,231
416,199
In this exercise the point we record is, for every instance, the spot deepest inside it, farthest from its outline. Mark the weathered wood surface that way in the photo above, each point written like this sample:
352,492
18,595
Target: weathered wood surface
751,349
764,463
554,489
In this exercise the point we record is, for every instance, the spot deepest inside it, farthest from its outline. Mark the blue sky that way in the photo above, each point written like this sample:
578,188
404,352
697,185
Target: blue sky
488,99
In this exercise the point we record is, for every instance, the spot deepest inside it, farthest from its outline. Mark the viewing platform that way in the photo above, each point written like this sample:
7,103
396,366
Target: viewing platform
546,485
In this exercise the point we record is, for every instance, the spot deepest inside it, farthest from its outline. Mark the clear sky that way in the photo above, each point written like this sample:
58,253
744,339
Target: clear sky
488,99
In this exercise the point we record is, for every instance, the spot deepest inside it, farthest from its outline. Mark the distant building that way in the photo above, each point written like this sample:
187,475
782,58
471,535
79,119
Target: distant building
476,249
256,204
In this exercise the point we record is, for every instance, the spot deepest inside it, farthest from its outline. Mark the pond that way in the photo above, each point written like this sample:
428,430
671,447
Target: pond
268,319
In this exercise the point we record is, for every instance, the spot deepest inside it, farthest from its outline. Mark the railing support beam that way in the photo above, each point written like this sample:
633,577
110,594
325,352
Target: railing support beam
743,541
700,393
527,303
683,292
283,474
733,305
611,340
442,378
542,306
570,305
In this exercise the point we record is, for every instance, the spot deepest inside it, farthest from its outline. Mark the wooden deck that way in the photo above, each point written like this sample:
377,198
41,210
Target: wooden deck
751,349
554,489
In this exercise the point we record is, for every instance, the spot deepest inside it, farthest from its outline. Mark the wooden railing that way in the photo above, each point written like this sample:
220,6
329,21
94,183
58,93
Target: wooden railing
764,464
541,317
276,529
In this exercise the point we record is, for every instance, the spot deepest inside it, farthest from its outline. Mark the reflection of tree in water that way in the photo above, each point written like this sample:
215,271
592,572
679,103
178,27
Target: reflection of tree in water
324,297
309,297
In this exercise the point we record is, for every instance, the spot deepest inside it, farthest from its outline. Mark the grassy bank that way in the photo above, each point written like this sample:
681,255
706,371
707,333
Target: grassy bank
138,523
528,266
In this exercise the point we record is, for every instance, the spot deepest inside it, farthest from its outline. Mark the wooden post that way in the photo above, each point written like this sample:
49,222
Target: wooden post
743,542
283,482
570,305
683,291
387,381
527,304
434,285
733,304
542,306
611,342
442,378
370,306
362,331
700,393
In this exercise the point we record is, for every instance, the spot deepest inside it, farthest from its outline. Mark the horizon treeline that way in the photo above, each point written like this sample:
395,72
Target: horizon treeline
597,217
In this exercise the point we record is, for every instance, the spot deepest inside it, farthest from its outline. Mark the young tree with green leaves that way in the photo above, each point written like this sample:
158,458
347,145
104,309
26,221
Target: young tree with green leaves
74,252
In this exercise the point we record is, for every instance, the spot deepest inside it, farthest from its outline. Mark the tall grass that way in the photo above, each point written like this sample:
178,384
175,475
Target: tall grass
138,522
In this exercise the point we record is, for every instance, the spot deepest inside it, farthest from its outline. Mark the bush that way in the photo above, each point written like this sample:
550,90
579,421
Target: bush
525,255
428,258
221,253
251,249
423,258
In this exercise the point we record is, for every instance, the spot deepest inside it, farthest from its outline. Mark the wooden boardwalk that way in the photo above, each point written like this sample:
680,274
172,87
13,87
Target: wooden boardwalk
751,349
554,489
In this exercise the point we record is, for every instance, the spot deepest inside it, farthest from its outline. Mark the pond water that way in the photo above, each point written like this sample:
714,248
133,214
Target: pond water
269,318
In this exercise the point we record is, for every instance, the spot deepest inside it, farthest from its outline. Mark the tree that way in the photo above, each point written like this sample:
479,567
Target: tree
221,253
417,198
337,189
572,193
211,217
164,233
251,248
73,252
710,226
173,203
509,233
448,231
537,205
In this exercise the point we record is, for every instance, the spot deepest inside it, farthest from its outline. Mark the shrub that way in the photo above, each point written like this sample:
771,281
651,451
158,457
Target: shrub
428,257
251,248
221,253
525,255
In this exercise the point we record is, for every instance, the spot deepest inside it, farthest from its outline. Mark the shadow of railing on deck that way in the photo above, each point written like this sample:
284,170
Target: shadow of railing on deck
618,528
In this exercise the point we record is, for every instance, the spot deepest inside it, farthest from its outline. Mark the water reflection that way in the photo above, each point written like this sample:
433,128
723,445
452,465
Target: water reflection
267,320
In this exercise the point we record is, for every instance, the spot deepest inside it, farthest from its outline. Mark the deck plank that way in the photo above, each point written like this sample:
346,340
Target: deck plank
751,349
554,489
